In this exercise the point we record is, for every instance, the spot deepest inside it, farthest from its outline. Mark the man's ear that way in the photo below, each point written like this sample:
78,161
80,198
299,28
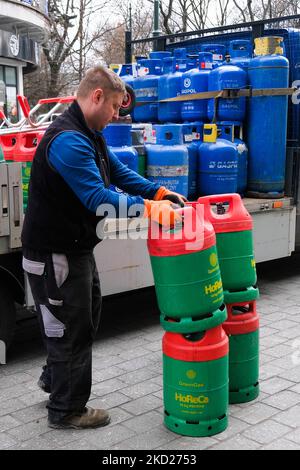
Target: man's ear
97,95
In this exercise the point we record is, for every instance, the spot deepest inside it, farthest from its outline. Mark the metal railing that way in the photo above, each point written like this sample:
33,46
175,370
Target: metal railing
257,28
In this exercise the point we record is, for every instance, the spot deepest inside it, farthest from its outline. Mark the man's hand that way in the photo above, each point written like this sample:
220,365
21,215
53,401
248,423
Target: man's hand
164,194
162,212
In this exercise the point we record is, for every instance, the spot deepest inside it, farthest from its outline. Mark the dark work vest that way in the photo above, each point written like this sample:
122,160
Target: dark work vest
56,221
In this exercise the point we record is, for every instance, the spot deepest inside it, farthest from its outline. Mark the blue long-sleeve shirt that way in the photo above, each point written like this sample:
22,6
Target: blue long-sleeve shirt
74,157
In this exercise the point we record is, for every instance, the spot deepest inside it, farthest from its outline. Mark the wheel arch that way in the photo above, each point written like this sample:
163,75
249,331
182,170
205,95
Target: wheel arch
13,284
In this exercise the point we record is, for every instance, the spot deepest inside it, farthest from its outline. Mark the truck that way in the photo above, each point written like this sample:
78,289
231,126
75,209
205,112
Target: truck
122,257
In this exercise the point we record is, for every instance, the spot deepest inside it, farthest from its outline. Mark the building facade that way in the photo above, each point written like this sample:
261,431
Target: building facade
24,26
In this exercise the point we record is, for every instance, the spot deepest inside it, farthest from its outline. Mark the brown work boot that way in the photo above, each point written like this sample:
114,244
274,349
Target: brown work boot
89,418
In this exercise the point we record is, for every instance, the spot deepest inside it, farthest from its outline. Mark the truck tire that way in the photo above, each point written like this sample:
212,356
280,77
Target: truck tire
128,103
7,315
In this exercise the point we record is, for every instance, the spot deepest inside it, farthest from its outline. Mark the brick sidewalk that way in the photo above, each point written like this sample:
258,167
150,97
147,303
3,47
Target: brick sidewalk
127,380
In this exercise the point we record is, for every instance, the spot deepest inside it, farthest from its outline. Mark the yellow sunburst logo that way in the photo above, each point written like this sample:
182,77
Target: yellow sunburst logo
213,259
191,374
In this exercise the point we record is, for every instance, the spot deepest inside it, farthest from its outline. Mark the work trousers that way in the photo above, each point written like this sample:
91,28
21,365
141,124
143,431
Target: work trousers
67,295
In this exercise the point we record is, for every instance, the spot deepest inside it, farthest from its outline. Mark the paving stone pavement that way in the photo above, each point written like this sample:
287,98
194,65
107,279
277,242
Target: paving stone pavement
127,380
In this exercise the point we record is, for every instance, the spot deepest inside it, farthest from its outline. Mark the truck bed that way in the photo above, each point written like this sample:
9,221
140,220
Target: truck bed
123,260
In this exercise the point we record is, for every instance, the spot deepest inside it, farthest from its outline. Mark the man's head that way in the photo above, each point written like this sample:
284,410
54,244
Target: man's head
100,95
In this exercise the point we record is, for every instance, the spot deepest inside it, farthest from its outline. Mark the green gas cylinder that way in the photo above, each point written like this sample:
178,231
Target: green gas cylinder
24,152
1,155
186,274
242,327
26,171
233,227
195,382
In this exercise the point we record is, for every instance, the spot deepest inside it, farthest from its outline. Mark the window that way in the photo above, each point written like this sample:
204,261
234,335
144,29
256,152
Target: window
9,76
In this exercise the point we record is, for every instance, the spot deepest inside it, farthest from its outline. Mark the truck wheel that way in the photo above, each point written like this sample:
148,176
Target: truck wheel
128,102
7,315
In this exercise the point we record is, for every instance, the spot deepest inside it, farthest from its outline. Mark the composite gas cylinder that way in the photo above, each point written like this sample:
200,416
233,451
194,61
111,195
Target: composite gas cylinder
8,143
242,328
186,274
234,231
24,151
2,159
195,382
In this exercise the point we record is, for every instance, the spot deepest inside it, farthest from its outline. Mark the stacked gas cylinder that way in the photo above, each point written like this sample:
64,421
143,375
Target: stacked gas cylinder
213,130
20,146
119,140
233,226
202,269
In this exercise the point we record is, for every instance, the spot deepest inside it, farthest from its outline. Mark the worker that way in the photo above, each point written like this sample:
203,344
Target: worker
70,178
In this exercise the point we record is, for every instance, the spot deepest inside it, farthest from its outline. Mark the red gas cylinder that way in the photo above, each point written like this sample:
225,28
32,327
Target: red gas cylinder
27,144
195,376
9,143
233,226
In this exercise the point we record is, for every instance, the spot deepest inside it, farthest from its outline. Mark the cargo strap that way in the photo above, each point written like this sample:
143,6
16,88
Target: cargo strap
231,93
234,93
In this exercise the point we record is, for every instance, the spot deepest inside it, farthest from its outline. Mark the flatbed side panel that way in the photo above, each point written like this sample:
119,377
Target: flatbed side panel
261,205
123,265
274,234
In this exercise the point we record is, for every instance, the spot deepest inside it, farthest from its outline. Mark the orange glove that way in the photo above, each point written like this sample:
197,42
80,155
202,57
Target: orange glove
164,193
162,212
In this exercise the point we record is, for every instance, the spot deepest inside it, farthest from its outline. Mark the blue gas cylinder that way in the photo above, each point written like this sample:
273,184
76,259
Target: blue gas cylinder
126,69
118,139
192,61
241,52
233,131
218,51
160,55
267,125
127,74
146,90
218,165
169,86
167,160
227,77
192,137
180,53
196,81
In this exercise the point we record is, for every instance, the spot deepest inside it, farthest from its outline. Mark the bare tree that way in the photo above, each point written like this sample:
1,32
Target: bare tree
222,12
111,46
67,51
183,15
251,10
